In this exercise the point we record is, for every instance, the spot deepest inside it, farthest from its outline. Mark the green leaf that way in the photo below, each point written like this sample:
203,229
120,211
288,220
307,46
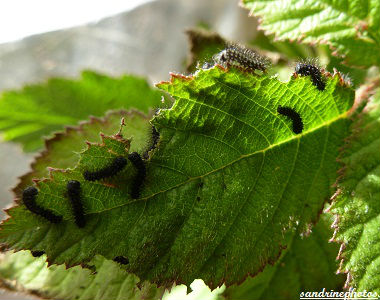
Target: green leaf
357,205
38,110
285,48
228,185
22,272
308,264
351,27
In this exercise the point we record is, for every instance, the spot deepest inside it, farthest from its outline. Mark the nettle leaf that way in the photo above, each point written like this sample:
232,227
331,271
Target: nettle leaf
357,205
38,110
308,264
226,188
22,272
351,27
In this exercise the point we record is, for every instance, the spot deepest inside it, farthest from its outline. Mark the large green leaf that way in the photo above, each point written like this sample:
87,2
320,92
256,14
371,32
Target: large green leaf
22,272
308,264
352,27
227,187
38,110
357,206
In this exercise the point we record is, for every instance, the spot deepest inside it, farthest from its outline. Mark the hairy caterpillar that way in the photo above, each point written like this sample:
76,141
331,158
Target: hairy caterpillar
240,56
294,116
311,69
29,199
73,191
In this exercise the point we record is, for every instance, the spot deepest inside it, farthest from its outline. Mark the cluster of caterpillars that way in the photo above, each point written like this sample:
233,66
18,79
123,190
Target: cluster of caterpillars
234,55
73,187
239,56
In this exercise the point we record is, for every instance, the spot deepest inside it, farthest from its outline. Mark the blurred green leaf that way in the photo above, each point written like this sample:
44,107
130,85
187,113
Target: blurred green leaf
22,272
288,49
38,110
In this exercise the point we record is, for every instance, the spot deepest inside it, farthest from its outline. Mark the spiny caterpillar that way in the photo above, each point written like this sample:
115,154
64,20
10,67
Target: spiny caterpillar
115,167
73,191
311,68
29,199
242,57
138,180
155,137
294,116
121,260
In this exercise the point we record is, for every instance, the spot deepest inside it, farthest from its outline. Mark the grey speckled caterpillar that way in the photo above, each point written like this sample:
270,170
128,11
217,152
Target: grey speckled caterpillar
237,55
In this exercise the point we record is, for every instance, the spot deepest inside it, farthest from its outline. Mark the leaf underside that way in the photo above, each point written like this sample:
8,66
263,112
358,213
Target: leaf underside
227,188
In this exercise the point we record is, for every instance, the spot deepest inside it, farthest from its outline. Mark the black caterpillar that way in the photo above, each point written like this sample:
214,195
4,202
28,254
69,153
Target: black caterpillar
312,70
115,167
37,253
155,137
294,116
239,56
29,199
138,180
73,191
121,260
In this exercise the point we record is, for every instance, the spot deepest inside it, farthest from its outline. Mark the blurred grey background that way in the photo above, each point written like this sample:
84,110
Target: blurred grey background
148,41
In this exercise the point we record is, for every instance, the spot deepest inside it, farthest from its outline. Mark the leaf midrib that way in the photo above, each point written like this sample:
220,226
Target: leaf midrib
244,156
